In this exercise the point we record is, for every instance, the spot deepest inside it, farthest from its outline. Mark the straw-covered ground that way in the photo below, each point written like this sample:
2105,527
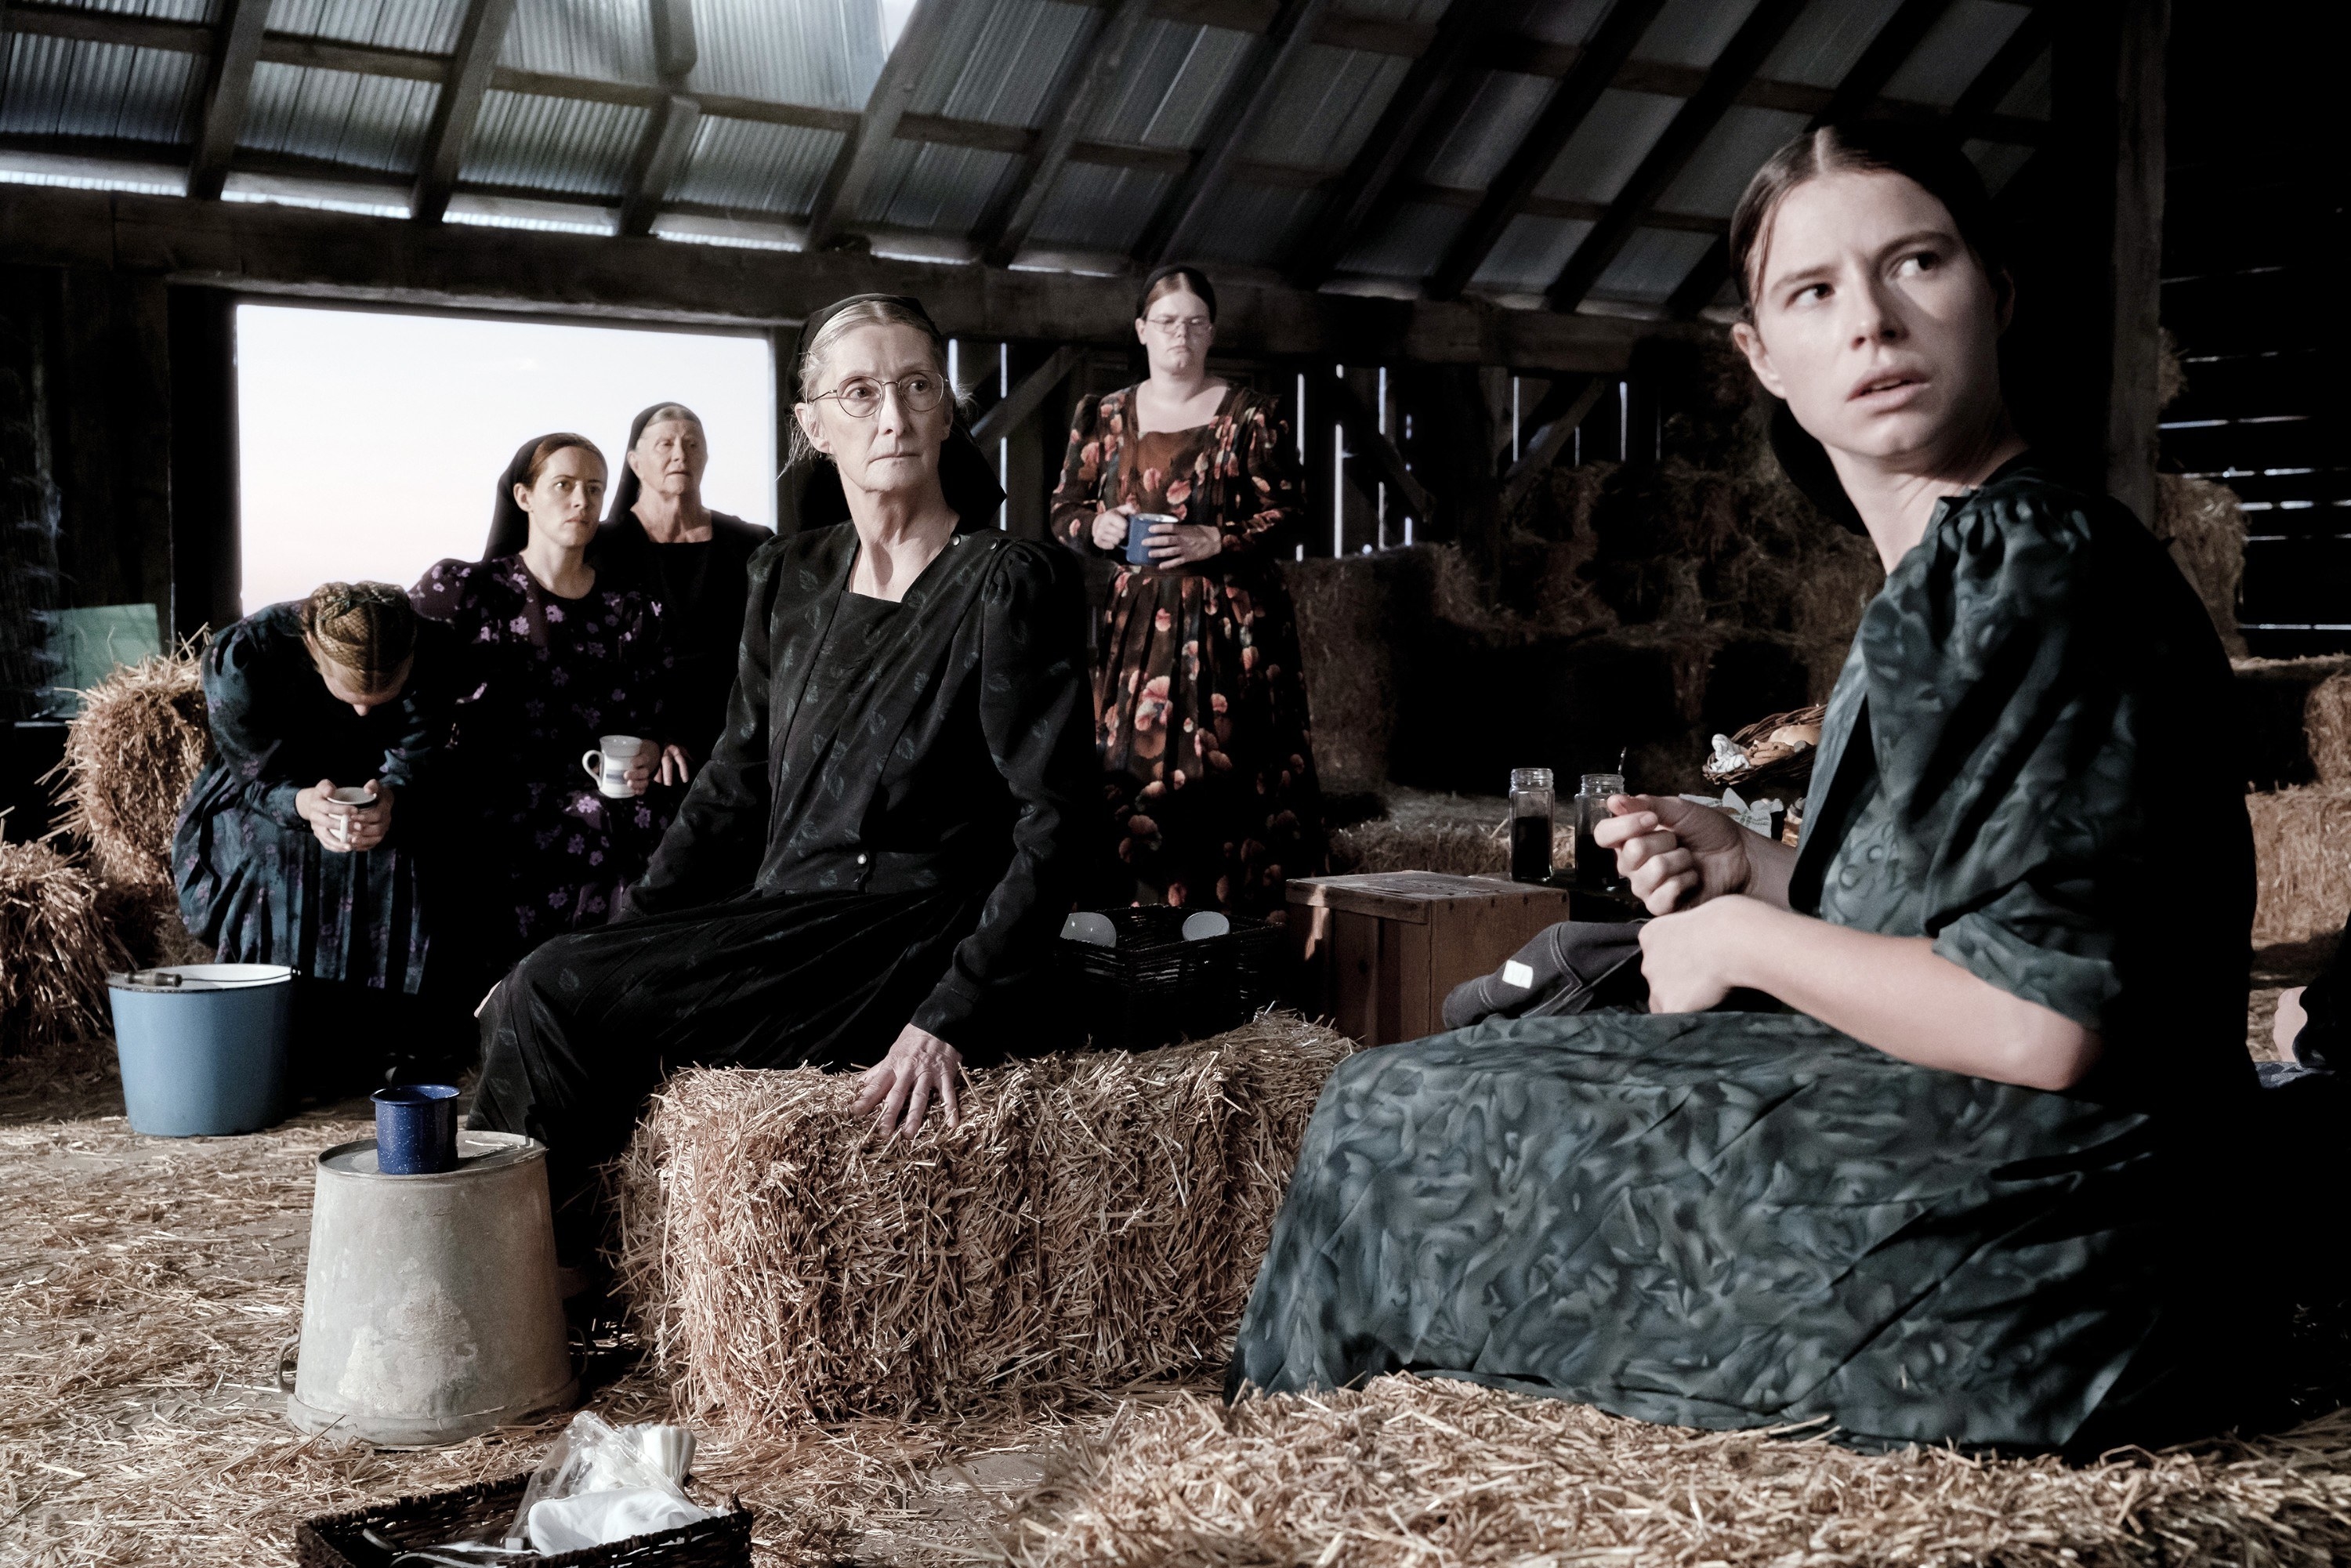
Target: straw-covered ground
148,1285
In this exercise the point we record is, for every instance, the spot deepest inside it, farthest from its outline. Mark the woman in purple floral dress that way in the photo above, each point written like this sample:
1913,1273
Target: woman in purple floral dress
550,662
1199,699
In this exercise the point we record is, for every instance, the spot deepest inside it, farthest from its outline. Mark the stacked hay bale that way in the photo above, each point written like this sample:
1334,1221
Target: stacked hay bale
2302,834
56,948
1095,1217
131,756
2203,525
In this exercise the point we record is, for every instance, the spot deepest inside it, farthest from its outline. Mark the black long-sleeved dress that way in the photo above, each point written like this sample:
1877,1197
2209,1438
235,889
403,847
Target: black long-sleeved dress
702,588
890,831
1742,1219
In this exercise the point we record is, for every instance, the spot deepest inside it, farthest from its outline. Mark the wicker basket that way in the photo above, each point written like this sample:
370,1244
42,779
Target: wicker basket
1768,762
340,1539
1154,987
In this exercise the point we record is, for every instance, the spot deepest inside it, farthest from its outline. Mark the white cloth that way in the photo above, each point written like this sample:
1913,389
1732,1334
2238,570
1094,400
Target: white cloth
601,1518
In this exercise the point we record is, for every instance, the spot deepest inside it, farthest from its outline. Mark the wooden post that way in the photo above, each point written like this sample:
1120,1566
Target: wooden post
113,397
207,555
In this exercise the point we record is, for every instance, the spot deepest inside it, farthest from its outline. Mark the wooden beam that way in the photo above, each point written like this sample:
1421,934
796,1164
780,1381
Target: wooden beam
660,155
1977,110
854,165
1363,191
1245,99
459,107
1549,443
1004,228
1013,409
359,59
1366,440
106,27
1595,69
1859,88
2142,29
299,252
225,96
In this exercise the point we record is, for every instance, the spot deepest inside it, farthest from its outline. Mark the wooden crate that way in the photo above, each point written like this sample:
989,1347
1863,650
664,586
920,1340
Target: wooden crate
1377,953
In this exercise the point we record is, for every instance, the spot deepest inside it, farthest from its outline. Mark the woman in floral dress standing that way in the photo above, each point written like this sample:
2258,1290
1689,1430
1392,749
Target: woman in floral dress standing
1199,700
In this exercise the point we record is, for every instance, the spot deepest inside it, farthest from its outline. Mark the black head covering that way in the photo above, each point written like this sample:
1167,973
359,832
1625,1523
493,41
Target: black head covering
623,497
510,524
814,498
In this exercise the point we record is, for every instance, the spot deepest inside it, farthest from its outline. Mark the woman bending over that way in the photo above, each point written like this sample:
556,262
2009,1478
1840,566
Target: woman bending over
1966,1187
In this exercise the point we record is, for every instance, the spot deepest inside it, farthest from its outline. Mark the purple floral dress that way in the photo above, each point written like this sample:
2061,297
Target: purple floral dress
541,678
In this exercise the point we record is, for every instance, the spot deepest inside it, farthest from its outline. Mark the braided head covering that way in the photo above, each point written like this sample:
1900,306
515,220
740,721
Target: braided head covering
367,629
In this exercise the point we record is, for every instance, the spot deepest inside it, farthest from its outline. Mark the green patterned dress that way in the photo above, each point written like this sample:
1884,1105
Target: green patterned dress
1745,1219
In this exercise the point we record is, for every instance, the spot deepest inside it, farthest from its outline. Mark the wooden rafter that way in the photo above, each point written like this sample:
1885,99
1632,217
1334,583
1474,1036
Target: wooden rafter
1366,440
459,107
1595,67
1014,408
1005,227
669,129
853,167
225,96
1976,113
1862,83
1363,191
1699,114
1551,439
1244,100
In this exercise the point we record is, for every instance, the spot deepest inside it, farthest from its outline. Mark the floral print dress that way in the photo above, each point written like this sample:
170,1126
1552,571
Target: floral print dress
1199,698
542,678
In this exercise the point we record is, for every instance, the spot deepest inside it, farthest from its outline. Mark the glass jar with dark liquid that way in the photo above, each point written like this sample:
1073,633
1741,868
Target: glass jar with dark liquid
1596,868
1531,802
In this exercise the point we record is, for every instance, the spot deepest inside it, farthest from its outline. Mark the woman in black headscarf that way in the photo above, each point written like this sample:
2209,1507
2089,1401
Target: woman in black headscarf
873,865
659,539
552,659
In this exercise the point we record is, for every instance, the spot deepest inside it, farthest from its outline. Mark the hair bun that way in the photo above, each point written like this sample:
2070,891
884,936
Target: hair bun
366,628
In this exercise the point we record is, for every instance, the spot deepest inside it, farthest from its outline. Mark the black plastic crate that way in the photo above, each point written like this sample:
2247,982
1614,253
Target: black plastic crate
409,1524
1154,988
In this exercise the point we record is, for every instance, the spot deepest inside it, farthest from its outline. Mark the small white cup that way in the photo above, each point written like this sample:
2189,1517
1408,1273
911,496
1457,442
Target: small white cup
356,795
608,766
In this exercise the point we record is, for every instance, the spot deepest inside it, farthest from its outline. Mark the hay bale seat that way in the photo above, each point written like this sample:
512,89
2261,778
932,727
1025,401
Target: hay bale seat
1097,1219
56,948
1441,1474
2301,847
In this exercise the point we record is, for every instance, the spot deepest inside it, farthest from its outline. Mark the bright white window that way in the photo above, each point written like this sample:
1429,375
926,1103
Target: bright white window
370,443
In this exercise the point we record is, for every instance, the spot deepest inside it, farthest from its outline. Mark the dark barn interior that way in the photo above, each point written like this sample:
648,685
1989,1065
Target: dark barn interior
1479,250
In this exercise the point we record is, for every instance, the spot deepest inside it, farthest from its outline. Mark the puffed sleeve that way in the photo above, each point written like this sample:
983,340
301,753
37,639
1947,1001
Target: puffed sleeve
713,845
1038,722
243,677
424,708
2007,743
1267,505
1077,496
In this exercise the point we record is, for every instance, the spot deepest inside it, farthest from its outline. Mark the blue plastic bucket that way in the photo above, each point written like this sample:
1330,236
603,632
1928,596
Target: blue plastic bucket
202,1046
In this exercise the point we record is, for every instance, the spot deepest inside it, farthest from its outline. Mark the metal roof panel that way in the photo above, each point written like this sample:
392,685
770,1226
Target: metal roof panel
1259,224
1410,245
1998,162
1421,11
1608,146
1531,253
1827,40
1692,31
1000,63
428,27
1095,206
66,86
556,144
1326,107
206,11
603,40
754,166
1562,21
2031,97
1955,51
929,186
1170,85
1651,266
1489,129
339,116
825,53
1717,174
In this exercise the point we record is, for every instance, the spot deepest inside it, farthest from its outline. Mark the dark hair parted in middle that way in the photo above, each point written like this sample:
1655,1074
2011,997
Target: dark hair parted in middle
1172,279
546,446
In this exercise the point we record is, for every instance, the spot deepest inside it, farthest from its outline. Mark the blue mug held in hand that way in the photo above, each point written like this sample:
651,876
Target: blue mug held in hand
1138,535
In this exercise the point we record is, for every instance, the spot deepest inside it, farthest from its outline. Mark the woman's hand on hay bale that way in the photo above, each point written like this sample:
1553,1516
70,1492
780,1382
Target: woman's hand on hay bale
1676,854
2286,1026
342,829
919,1068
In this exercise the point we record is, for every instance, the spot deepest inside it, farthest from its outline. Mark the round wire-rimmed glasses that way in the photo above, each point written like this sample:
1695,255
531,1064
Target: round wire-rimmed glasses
861,396
1179,326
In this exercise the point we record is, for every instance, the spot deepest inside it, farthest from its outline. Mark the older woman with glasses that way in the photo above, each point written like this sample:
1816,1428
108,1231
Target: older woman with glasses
1199,699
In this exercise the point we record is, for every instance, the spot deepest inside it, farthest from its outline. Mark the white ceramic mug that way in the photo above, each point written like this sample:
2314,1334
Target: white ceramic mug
357,796
608,766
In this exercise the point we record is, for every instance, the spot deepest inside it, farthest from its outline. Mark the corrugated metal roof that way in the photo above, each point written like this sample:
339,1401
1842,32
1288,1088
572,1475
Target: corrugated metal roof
754,166
1563,21
1529,254
1651,266
824,53
1692,31
1326,107
1955,51
1717,174
428,27
1410,245
1827,40
1258,225
2031,97
1608,146
1998,162
1426,11
604,40
66,86
366,121
206,11
1170,86
925,185
1499,112
1000,63
1096,207
561,144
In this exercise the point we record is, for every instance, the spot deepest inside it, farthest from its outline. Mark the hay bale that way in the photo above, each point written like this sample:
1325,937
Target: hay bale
2203,525
2301,849
56,948
1095,1217
1441,1474
130,755
2326,728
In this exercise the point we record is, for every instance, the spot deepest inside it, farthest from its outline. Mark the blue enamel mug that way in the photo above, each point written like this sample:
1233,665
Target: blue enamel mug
1138,535
415,1129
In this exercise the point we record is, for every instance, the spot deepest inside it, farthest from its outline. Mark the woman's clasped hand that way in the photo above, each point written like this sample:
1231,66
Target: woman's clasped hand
1707,881
343,827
